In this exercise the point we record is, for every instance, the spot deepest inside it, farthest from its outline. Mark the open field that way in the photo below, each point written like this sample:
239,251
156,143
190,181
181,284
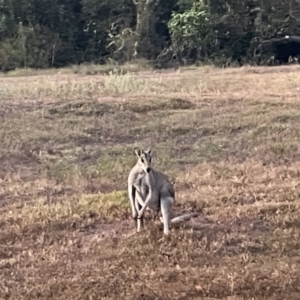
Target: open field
228,138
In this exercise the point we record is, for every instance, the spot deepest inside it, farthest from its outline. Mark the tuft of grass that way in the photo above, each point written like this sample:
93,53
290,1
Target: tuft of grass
124,84
111,68
92,69
111,206
157,104
85,69
83,108
34,72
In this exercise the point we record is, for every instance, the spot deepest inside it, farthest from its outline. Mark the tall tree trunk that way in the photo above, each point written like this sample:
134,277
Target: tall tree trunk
144,30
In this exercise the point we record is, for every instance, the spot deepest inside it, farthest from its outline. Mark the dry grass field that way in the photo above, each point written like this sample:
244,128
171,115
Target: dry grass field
228,137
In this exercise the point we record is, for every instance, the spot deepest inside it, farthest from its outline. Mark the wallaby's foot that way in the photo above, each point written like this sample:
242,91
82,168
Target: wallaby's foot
164,238
166,229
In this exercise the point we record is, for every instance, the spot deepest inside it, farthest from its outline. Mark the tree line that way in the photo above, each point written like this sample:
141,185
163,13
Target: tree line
56,33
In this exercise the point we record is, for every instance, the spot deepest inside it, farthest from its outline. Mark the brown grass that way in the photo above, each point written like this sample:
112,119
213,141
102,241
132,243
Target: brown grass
228,137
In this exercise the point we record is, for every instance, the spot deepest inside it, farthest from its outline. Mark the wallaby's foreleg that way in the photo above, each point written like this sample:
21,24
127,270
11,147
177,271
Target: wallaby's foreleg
140,220
141,212
140,201
166,210
132,196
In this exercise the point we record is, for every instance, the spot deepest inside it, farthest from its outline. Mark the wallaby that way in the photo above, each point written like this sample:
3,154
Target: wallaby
150,188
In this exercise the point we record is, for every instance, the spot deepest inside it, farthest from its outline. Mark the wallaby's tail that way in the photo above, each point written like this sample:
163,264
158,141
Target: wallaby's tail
183,217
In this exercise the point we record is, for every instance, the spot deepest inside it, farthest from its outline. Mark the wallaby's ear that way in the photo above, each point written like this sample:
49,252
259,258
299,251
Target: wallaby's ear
148,151
137,151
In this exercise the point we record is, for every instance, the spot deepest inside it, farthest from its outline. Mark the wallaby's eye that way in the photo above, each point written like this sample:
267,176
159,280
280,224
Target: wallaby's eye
142,160
150,160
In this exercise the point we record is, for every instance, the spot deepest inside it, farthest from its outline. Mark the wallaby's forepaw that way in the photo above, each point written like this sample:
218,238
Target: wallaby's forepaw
140,214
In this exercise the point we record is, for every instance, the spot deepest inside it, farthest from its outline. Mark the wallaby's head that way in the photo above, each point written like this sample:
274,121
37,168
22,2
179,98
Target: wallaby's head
144,159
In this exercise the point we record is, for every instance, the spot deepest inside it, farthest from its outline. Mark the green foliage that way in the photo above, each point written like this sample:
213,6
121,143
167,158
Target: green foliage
57,33
10,54
193,29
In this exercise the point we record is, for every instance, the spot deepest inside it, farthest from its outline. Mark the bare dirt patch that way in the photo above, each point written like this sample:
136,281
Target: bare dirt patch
229,140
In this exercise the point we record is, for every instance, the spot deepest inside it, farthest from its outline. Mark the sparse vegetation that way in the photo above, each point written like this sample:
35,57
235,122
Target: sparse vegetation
229,139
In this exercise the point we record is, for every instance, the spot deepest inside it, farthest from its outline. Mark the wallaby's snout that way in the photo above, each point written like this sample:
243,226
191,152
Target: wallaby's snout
148,170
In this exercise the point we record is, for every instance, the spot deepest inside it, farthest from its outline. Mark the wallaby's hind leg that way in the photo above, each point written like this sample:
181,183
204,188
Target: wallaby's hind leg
166,210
